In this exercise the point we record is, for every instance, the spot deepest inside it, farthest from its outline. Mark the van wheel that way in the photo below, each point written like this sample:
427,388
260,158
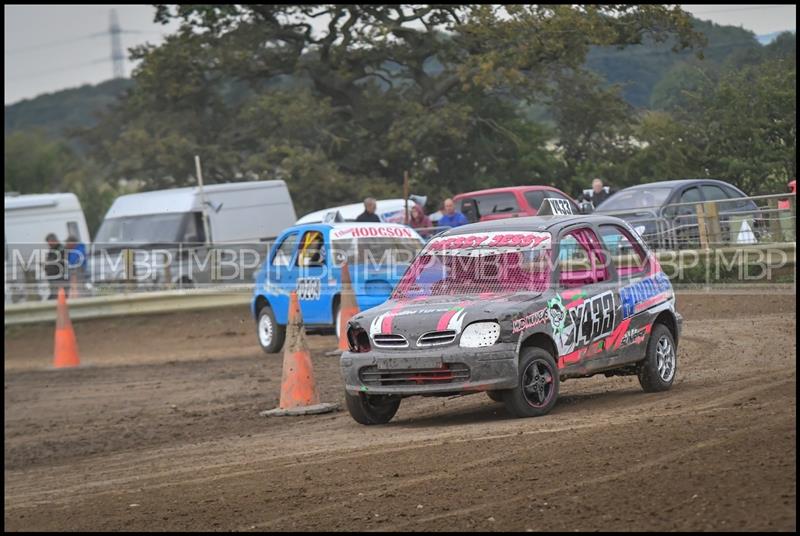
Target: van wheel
537,387
371,409
270,334
657,370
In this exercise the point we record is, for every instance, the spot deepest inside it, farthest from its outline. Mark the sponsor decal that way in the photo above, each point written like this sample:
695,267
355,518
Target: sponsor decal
634,336
373,231
578,326
636,297
529,321
486,241
309,288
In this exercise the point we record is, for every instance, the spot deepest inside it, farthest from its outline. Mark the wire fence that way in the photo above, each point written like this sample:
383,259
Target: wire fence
764,219
753,223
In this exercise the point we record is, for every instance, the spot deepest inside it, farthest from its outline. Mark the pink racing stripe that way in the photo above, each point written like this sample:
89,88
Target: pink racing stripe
386,325
445,318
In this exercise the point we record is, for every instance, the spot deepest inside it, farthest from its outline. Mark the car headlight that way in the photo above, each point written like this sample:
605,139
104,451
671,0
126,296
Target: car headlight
480,334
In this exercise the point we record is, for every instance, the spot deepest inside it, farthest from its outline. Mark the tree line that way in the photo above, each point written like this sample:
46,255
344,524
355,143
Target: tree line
340,100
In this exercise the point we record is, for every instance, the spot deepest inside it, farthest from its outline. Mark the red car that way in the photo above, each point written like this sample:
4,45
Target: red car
508,202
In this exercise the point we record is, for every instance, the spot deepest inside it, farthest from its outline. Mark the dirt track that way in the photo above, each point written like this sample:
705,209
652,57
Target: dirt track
160,430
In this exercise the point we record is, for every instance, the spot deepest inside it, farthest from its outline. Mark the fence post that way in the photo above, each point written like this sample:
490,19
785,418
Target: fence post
168,272
793,227
775,220
701,226
712,223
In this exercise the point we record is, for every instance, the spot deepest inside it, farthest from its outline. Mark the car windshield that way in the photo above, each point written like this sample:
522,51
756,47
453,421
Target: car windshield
487,263
147,229
375,251
635,199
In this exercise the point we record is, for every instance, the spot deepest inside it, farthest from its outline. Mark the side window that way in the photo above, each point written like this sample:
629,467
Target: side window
692,195
581,259
713,193
501,203
628,255
535,198
283,255
739,203
312,249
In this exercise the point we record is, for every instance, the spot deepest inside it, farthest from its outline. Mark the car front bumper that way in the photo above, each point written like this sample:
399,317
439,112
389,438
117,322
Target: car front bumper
489,368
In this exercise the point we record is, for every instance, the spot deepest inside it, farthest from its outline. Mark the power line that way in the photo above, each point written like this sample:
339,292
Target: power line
52,44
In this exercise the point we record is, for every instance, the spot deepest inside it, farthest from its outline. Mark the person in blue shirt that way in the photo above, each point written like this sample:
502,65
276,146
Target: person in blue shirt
76,261
451,217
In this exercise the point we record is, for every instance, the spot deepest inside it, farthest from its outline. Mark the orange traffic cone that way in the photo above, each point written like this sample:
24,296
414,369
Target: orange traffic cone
66,346
348,306
299,395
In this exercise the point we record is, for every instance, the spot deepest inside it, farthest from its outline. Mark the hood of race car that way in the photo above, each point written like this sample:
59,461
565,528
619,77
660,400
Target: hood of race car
413,318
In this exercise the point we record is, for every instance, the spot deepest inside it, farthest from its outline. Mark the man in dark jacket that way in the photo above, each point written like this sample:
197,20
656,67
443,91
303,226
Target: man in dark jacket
55,268
370,205
599,193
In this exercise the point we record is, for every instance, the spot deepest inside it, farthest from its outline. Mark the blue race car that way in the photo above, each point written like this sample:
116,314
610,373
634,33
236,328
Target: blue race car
308,258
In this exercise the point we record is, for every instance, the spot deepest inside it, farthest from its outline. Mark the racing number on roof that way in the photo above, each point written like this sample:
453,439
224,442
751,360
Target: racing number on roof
560,207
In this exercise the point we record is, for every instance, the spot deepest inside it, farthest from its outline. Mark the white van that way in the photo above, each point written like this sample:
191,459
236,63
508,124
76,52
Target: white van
28,219
170,241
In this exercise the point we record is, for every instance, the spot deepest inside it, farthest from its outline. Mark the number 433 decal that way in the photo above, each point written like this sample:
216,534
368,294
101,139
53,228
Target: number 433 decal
308,288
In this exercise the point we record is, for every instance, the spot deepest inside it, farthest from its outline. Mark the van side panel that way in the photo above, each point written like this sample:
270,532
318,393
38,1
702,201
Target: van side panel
250,214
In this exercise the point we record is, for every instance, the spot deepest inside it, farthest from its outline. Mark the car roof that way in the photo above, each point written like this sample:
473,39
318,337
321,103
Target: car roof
345,225
533,223
354,209
677,183
505,189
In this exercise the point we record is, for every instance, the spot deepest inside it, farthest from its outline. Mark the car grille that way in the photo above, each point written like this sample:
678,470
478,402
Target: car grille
450,373
384,340
435,338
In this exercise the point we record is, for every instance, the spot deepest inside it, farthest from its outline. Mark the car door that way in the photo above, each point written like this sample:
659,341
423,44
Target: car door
638,287
585,298
683,217
280,277
311,269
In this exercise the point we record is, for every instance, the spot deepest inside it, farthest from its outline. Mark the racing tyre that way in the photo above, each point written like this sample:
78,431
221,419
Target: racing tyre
497,396
371,409
537,388
657,370
270,334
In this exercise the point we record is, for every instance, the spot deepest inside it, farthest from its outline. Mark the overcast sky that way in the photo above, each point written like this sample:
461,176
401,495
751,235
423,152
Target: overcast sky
48,48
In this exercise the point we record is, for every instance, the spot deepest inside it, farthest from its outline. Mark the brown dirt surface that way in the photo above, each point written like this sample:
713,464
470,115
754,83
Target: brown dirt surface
159,430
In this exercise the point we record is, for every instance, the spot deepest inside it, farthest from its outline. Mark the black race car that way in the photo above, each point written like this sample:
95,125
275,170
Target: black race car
513,308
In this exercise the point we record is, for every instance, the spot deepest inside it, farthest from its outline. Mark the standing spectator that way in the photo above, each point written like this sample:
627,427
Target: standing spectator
451,217
419,220
599,194
370,205
55,268
76,261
